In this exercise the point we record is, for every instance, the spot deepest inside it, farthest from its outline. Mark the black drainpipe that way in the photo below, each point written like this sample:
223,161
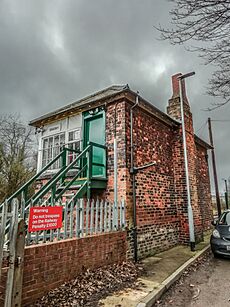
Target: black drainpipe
133,172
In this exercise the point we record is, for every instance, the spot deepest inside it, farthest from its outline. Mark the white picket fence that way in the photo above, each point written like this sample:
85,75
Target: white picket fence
80,218
83,218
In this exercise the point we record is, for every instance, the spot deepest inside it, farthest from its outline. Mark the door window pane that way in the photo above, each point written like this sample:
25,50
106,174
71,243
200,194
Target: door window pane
96,134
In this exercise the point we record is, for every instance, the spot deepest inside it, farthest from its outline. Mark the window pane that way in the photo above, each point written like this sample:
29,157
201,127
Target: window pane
71,136
56,140
225,219
73,143
74,135
51,142
76,146
62,139
45,143
51,148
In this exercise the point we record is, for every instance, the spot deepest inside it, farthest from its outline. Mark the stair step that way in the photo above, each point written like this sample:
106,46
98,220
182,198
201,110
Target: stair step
72,187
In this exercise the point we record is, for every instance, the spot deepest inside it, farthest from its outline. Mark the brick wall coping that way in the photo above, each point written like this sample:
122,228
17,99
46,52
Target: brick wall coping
89,237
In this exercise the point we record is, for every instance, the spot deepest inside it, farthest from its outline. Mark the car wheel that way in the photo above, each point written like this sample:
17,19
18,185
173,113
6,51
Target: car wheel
216,255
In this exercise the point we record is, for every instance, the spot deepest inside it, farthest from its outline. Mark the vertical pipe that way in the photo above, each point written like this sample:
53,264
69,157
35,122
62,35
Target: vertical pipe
190,212
132,172
214,168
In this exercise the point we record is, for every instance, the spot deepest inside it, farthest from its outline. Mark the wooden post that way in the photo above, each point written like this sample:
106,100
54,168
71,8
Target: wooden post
18,265
2,232
12,255
16,259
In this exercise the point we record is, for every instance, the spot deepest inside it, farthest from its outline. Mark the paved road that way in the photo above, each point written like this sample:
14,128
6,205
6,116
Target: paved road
207,286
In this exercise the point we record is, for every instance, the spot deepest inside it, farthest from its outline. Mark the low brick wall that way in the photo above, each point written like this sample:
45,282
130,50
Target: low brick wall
47,266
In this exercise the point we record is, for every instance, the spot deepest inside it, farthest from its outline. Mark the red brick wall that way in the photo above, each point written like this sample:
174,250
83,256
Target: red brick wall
49,265
157,220
121,149
204,193
161,189
193,180
180,195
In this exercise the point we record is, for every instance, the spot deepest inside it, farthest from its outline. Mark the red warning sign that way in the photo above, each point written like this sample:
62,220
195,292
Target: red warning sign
45,218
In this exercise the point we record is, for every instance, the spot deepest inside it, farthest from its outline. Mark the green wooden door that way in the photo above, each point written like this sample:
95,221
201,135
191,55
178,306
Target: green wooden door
94,131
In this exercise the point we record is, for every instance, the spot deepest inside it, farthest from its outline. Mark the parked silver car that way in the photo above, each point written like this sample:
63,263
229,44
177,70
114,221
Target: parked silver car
220,238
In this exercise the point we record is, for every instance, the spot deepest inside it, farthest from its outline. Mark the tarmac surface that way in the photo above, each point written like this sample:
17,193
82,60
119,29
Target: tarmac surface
206,286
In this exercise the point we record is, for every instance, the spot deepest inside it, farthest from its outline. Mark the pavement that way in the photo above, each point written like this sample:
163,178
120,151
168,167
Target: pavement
160,272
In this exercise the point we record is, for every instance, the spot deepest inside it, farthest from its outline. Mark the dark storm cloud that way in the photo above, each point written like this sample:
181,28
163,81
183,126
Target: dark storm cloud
54,52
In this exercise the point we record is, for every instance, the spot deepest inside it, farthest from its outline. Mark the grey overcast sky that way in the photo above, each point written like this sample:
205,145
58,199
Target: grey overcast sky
53,52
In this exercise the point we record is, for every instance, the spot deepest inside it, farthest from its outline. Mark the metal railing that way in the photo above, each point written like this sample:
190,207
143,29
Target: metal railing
82,218
53,190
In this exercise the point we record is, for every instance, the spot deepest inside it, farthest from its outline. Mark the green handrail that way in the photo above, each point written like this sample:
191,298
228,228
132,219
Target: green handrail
60,174
43,187
70,182
31,180
53,182
97,145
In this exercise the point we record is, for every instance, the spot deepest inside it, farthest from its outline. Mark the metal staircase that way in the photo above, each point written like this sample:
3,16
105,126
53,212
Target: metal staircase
80,182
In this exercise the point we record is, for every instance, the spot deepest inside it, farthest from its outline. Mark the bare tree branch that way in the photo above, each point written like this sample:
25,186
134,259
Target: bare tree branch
17,163
208,23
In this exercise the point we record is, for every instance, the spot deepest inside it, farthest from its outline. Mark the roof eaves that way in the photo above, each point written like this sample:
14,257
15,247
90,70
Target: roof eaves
157,112
202,142
115,89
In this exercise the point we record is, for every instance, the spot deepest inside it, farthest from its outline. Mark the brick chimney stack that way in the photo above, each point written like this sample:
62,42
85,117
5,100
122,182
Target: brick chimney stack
173,108
174,111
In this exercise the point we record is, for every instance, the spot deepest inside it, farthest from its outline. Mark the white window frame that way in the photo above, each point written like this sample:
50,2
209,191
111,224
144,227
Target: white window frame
52,154
52,151
71,156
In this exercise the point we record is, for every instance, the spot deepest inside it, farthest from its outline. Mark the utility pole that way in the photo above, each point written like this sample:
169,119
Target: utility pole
214,168
226,193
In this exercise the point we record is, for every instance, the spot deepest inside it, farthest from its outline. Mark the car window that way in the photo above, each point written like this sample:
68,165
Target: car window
225,219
